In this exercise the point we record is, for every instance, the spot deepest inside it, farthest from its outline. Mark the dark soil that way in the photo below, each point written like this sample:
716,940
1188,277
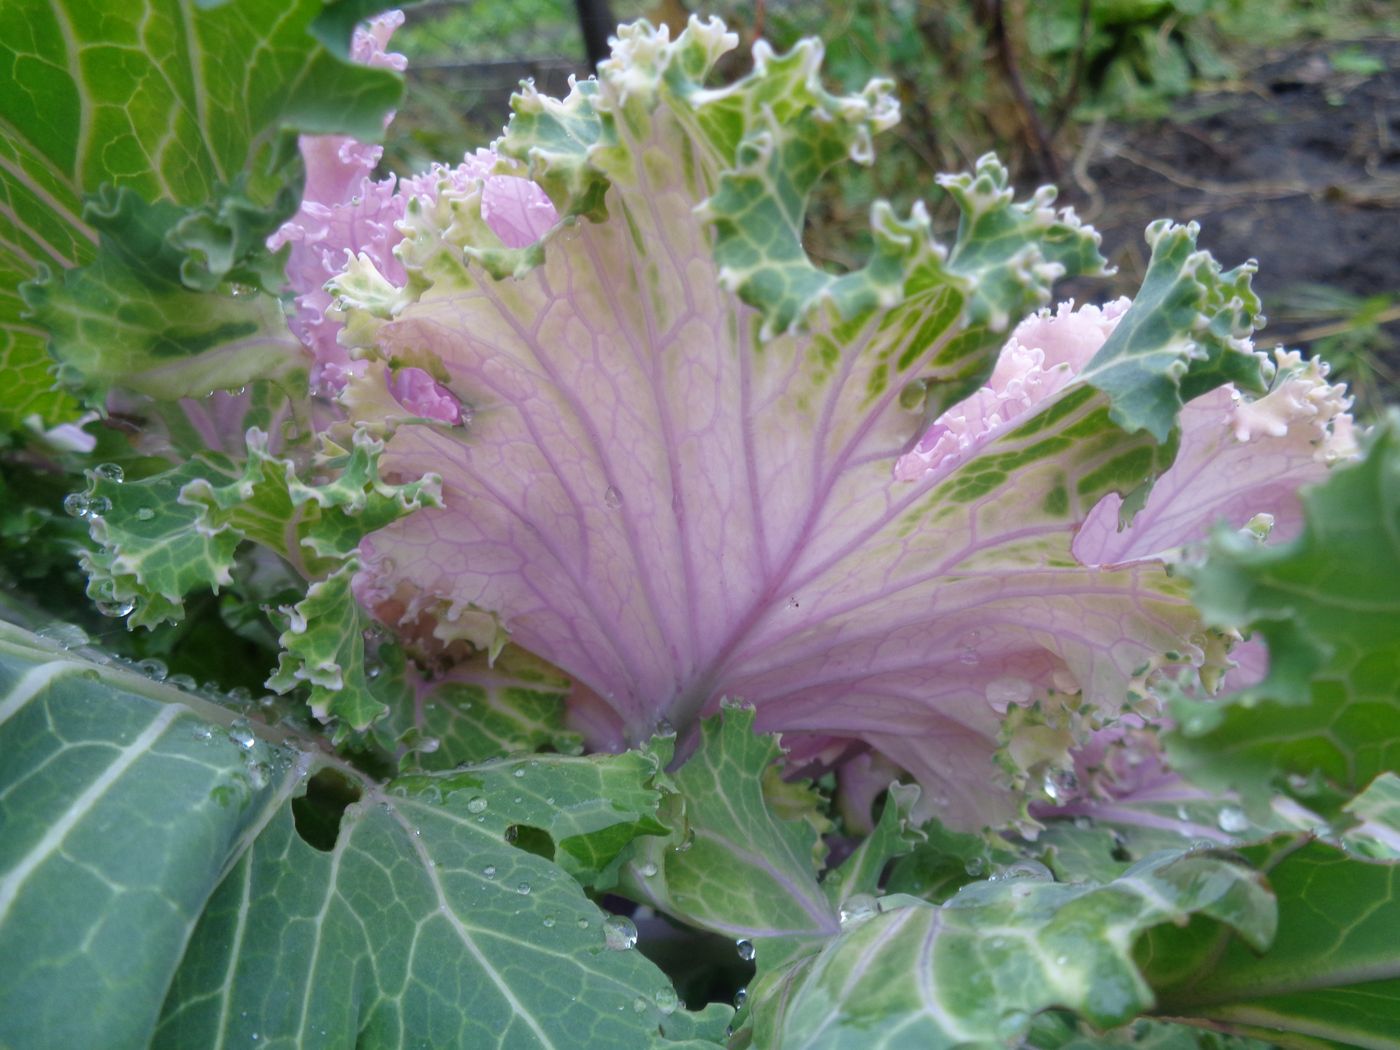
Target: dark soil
1297,167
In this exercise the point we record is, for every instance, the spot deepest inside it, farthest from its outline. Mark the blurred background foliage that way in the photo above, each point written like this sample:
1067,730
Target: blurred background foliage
1105,98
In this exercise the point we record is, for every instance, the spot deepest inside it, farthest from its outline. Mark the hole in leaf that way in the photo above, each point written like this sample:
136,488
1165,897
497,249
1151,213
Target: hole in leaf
317,813
531,840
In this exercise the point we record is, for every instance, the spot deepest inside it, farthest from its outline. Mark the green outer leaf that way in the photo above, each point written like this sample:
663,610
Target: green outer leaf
481,709
1378,809
324,647
1184,336
944,863
423,925
120,807
1333,971
151,550
1329,609
733,866
124,808
174,100
893,837
130,320
973,971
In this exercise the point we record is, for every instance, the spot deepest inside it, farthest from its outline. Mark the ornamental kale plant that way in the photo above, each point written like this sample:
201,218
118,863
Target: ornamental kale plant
531,604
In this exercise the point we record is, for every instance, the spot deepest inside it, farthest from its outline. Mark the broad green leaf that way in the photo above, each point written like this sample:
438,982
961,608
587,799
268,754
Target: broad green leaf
191,105
120,806
1333,971
157,869
1059,1031
1326,720
129,320
973,971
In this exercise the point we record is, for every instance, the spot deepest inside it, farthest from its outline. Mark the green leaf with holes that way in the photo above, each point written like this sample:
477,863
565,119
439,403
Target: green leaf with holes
174,870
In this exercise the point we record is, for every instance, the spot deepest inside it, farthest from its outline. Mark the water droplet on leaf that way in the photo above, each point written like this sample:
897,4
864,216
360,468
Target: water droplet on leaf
240,734
857,906
476,804
745,949
489,871
619,933
1233,820
109,472
65,635
612,497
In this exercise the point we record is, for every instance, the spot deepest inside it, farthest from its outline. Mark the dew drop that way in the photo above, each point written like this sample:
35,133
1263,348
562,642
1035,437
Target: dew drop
739,998
240,734
647,870
976,867
1060,784
619,933
857,906
518,772
583,924
476,804
1008,690
667,1000
109,472
1233,820
64,635
75,505
203,731
640,1005
612,497
523,889
1025,869
429,744
153,669
745,949
489,871
547,922
115,609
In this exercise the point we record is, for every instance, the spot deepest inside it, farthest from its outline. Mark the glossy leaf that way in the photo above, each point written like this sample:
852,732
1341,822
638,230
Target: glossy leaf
973,971
169,101
157,869
1326,719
